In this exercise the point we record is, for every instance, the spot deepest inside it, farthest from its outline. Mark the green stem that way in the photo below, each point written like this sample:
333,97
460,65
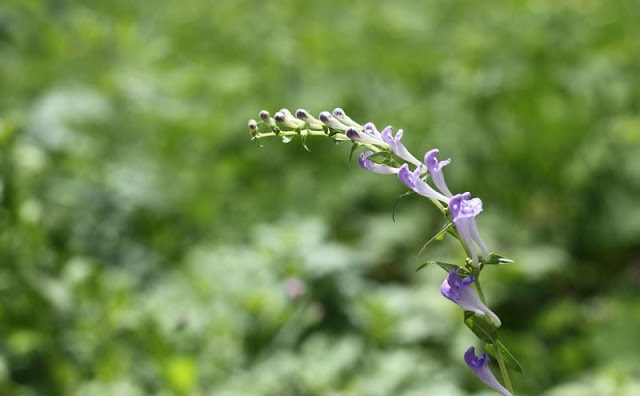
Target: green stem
496,347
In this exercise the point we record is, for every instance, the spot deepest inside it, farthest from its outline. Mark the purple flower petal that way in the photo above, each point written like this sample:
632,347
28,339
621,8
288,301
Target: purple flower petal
415,183
396,146
463,211
435,170
480,366
371,166
460,291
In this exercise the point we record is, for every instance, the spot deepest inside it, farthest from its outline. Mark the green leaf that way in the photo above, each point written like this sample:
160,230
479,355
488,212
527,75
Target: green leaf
445,266
380,157
395,205
354,146
438,237
495,259
481,327
509,359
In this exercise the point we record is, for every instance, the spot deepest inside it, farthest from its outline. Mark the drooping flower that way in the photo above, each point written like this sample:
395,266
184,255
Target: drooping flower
435,170
371,166
396,145
414,181
480,366
464,210
459,291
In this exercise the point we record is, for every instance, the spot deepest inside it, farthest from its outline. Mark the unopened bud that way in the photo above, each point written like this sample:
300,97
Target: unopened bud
265,115
332,122
310,121
253,128
285,117
344,118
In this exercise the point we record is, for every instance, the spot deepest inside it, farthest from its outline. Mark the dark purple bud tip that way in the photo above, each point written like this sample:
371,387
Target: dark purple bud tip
302,114
352,133
338,112
253,125
279,116
265,115
325,117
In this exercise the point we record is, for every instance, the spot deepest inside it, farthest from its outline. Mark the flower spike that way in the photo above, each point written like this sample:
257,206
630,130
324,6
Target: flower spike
435,170
459,291
396,146
415,183
371,166
480,366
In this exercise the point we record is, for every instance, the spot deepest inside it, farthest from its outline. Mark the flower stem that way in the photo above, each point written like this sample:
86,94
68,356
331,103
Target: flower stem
496,347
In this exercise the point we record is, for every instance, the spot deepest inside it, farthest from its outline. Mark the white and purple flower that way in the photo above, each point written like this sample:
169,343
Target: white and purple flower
371,166
480,366
396,145
464,210
414,181
459,291
435,170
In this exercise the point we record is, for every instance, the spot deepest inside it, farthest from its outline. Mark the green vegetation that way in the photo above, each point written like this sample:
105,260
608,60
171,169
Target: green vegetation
146,243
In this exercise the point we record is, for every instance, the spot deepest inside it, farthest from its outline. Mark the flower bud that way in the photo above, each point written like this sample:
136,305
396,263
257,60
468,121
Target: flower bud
345,119
331,122
253,128
287,119
266,117
309,120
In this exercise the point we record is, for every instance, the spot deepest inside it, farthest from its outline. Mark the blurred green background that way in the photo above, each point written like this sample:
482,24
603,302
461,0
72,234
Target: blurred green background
148,247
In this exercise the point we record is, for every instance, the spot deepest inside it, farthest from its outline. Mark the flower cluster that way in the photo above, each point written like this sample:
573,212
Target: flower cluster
386,154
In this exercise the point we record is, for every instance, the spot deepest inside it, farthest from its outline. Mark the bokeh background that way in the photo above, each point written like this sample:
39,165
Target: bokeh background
147,246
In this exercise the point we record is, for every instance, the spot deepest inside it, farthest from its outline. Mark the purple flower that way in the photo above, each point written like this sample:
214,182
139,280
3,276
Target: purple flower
414,181
371,130
396,146
459,291
480,366
371,166
464,210
362,136
435,170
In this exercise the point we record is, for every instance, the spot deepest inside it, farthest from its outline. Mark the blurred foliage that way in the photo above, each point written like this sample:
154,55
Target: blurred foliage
148,247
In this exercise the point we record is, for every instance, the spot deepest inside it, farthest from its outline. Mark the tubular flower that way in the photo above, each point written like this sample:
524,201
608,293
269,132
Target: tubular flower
415,182
435,170
464,210
480,366
459,291
396,146
371,166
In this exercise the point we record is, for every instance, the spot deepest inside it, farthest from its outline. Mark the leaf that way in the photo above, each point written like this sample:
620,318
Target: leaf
438,237
445,266
395,205
353,149
495,259
380,157
509,359
481,327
